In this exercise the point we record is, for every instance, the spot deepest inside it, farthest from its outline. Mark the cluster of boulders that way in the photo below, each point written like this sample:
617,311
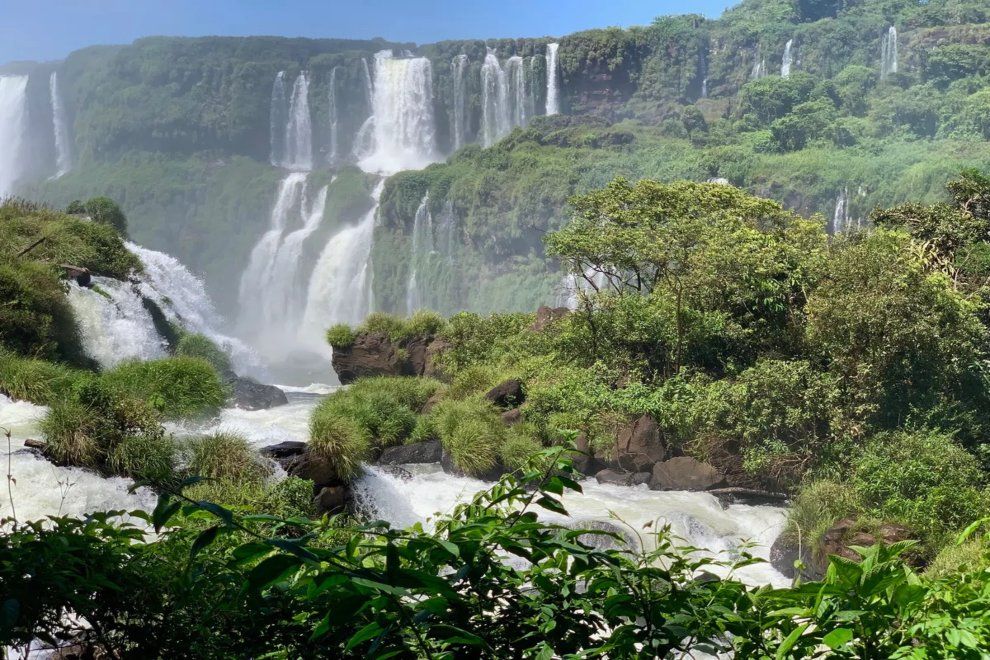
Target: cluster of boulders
375,354
330,493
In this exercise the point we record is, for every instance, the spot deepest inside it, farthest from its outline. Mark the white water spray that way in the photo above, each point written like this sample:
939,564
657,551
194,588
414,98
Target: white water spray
299,128
553,89
788,60
888,53
334,119
496,120
516,74
13,128
60,128
459,114
422,247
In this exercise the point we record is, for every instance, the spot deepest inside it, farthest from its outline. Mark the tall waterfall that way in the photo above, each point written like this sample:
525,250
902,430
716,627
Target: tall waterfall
422,247
183,298
402,126
495,118
553,90
13,127
841,220
299,128
60,128
788,60
516,72
114,324
277,119
272,293
888,53
334,118
340,287
459,115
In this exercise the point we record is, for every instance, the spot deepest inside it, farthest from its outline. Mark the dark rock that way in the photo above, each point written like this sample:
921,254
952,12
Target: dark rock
751,496
248,394
433,351
685,473
81,275
318,470
397,471
371,354
545,316
616,478
845,533
416,354
332,499
507,394
583,459
494,474
419,452
512,417
284,452
638,445
35,444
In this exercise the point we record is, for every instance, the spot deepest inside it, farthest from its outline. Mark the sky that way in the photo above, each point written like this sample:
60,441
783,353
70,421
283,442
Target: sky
51,29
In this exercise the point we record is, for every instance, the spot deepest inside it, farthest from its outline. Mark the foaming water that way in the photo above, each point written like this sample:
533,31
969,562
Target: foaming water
42,489
113,323
696,518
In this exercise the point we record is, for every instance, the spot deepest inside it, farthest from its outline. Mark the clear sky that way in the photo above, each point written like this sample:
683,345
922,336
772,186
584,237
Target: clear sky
50,29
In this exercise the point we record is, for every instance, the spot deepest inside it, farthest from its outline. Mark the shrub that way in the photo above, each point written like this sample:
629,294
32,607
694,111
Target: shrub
957,558
102,210
37,381
519,446
816,508
225,457
176,387
340,440
146,458
471,431
70,435
341,336
200,346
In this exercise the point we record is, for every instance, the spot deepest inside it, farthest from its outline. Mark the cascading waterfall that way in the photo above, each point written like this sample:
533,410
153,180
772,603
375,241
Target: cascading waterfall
888,53
60,128
516,73
114,324
496,119
759,66
339,289
840,218
788,60
402,127
422,247
458,67
334,119
183,298
299,128
277,119
13,128
459,115
553,89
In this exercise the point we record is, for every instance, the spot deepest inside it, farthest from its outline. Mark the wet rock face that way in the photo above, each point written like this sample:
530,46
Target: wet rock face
638,445
618,478
374,354
284,452
685,473
419,452
332,499
249,394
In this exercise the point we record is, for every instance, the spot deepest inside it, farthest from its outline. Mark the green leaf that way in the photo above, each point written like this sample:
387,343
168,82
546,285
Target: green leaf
204,539
370,631
838,638
271,570
164,510
790,641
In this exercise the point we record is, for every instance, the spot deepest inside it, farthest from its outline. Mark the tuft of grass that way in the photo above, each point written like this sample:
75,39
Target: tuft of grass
340,440
423,323
70,435
972,555
519,446
38,381
226,457
177,387
471,431
146,458
816,508
196,345
341,336
475,379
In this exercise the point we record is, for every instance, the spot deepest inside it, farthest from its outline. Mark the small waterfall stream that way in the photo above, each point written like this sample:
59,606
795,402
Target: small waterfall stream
888,53
422,247
495,118
334,119
788,60
60,128
553,89
459,114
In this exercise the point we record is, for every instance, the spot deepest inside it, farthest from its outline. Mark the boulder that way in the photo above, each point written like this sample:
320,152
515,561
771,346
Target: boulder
308,465
81,275
545,316
512,417
583,459
433,350
32,443
284,452
419,452
617,478
332,499
685,473
371,354
249,394
751,496
397,471
844,533
507,394
638,445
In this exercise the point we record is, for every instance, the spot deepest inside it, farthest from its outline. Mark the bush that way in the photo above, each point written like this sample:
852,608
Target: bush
177,387
471,431
70,435
196,345
102,210
341,336
519,447
226,457
816,508
37,381
340,440
148,458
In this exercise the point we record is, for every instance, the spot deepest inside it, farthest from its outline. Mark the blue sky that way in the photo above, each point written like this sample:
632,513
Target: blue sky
50,29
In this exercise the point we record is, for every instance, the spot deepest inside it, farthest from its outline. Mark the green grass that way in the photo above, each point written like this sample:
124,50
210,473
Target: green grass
38,381
145,458
226,457
70,435
178,387
471,431
200,346
339,440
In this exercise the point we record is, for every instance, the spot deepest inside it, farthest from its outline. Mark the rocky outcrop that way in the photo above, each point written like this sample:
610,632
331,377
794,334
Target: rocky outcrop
249,394
507,394
332,499
331,494
750,496
619,478
638,445
374,354
284,452
685,473
419,452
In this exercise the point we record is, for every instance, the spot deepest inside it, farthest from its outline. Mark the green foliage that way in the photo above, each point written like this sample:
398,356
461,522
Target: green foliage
421,324
37,381
341,441
471,432
226,457
178,387
818,506
195,345
341,336
102,210
146,458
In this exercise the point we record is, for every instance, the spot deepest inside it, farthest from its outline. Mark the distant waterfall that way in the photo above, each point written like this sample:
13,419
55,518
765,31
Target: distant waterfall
113,323
334,118
340,287
759,66
183,298
888,53
553,90
272,289
459,114
277,119
842,221
516,73
60,128
13,127
299,128
369,86
422,247
788,60
495,118
402,126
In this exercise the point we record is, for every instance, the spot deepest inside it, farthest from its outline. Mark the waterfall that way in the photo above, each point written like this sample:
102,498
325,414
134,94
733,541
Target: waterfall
334,119
422,247
840,218
459,114
13,127
60,128
495,118
704,73
888,53
402,127
553,90
183,298
516,74
113,323
339,289
277,119
299,128
759,67
788,60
